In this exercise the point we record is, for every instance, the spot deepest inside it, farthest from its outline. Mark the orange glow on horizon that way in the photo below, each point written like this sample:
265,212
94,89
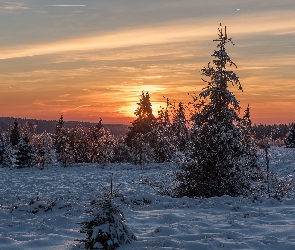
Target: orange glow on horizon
101,74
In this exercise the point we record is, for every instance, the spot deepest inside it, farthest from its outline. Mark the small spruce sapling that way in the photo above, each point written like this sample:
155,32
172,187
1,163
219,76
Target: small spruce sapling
106,228
25,154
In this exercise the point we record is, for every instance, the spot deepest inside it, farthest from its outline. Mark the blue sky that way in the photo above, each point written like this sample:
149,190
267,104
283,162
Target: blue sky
91,59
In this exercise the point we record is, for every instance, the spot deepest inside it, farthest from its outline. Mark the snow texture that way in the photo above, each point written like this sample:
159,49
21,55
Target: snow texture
41,209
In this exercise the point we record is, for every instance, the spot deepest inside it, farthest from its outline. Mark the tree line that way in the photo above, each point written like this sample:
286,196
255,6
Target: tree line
215,146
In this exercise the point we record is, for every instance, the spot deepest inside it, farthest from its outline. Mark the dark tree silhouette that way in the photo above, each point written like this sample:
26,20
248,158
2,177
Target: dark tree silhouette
137,137
14,135
290,139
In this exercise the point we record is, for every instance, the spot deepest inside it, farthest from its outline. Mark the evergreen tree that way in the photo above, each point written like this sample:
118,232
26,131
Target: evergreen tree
121,152
290,139
91,144
25,154
28,130
79,143
218,166
62,144
103,144
14,135
162,139
43,146
179,127
59,134
248,141
5,159
106,228
137,137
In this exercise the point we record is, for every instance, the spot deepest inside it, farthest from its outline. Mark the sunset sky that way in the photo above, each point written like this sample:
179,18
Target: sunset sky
88,59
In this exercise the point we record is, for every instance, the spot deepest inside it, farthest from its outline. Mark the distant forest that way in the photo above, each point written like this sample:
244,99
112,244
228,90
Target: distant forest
118,130
274,131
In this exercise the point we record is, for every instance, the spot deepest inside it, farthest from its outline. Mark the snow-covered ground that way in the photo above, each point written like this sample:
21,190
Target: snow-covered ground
41,209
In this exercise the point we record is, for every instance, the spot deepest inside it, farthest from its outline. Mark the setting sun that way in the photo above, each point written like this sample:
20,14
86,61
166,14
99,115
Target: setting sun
71,60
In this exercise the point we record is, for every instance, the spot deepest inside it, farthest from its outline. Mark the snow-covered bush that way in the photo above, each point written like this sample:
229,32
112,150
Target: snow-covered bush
271,185
106,228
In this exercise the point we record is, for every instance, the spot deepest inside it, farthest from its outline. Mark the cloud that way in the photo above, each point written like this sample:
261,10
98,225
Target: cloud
9,6
67,5
172,32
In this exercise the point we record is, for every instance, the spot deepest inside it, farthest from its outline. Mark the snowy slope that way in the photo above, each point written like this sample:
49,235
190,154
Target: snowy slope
40,209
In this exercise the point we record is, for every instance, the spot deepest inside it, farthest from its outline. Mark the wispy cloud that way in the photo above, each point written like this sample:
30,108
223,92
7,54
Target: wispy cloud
185,30
12,6
66,5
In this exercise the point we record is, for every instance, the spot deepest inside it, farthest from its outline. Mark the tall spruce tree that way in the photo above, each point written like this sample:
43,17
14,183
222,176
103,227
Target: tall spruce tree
219,166
249,141
290,139
59,134
14,135
138,135
62,144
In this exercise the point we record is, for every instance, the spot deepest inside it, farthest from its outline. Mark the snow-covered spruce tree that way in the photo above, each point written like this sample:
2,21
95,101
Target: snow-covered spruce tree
58,138
43,145
162,139
79,143
248,142
290,139
28,130
62,144
219,165
91,144
14,135
106,228
121,152
5,159
25,154
137,138
103,144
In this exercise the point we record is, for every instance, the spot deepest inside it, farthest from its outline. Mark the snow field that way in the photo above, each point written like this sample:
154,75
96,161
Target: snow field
41,209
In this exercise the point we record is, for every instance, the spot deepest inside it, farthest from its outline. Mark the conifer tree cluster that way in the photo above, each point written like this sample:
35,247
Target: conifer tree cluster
157,139
83,144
